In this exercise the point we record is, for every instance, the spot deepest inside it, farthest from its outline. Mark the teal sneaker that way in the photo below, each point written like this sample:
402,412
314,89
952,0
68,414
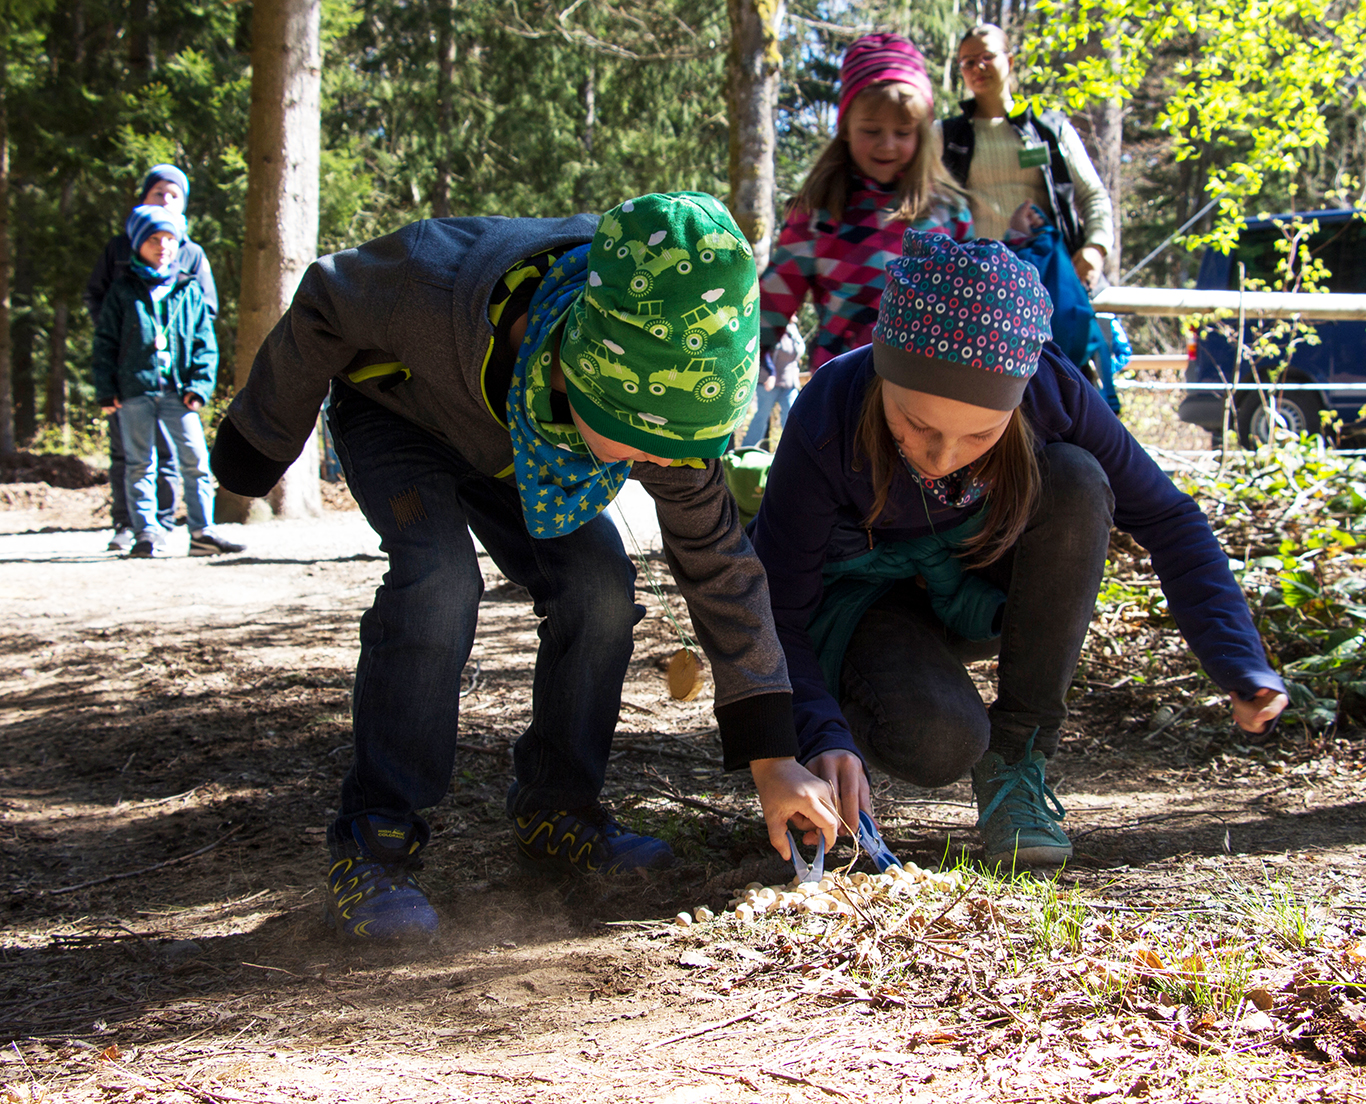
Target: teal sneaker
373,895
1019,814
585,841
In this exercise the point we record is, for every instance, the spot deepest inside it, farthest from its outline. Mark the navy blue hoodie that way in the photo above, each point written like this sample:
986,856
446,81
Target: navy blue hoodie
815,502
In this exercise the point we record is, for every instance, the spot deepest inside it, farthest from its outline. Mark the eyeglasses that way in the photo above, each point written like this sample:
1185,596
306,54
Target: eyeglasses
978,61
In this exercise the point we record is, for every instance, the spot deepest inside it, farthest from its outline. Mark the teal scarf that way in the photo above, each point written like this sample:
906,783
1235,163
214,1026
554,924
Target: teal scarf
966,604
561,483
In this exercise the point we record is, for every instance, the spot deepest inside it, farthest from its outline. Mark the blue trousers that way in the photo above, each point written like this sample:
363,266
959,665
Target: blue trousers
758,426
141,419
910,702
423,499
168,476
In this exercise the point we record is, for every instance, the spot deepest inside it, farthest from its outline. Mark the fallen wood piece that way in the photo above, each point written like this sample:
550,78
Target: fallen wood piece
674,795
781,1076
143,870
724,1023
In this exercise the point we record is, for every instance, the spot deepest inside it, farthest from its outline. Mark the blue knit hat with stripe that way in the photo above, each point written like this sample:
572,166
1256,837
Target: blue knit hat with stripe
170,174
150,219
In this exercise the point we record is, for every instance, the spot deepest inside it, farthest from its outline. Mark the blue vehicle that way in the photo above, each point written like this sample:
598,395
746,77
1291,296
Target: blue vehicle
1338,358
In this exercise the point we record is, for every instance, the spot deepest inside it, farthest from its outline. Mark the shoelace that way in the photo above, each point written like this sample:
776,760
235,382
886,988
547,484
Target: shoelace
1027,774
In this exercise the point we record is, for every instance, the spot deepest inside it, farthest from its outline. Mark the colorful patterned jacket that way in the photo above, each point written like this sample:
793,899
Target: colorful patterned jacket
842,266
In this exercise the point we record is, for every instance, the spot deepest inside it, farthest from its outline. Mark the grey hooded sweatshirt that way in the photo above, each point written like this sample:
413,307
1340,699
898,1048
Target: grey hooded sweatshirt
419,297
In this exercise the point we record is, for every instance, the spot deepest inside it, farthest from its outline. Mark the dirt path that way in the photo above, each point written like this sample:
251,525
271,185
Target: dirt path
181,726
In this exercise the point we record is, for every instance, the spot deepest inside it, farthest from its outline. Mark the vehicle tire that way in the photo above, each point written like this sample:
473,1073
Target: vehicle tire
1297,411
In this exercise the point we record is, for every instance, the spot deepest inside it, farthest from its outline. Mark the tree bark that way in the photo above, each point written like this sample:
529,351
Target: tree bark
56,346
22,334
56,363
6,394
281,231
753,65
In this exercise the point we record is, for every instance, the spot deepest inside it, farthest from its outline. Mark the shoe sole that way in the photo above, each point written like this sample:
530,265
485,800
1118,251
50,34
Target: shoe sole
1031,856
333,923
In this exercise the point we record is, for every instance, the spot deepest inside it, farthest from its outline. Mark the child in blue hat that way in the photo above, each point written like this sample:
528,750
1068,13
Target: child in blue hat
155,363
163,186
945,495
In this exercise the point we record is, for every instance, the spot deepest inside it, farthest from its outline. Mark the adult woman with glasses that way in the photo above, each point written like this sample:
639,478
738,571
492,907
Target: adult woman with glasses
1011,158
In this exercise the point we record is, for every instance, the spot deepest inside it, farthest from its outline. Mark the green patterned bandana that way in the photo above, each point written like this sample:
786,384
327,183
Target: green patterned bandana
661,351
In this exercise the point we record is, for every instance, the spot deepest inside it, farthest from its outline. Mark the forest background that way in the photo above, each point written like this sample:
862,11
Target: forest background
472,107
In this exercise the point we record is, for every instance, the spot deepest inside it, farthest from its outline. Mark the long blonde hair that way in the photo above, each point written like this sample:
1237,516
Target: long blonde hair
925,181
1011,471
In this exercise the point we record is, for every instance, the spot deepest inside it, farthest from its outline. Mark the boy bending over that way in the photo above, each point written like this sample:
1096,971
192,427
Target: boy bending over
505,376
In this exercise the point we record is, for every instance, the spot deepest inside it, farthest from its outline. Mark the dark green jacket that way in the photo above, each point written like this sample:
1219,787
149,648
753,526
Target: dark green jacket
125,352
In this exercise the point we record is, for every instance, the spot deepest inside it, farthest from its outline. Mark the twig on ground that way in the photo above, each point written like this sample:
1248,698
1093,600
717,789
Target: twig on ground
674,795
725,1023
727,1073
781,1076
277,969
500,752
1155,733
142,870
503,1076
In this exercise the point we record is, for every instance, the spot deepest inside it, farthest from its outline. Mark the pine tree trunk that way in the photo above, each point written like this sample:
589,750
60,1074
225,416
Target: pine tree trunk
56,363
6,395
281,232
753,94
21,348
61,317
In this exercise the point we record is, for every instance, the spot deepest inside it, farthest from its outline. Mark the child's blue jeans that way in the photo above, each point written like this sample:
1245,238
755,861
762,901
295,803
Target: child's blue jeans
138,419
758,426
423,498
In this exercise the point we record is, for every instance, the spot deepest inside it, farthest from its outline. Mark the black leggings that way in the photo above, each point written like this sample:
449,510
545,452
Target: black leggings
904,690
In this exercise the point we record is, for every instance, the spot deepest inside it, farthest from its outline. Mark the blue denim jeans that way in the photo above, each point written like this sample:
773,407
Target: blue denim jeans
424,499
168,478
910,702
141,419
758,426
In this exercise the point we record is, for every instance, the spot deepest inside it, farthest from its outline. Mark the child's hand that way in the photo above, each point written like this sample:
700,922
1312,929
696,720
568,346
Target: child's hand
111,406
1027,218
1088,261
193,402
1255,716
788,791
843,772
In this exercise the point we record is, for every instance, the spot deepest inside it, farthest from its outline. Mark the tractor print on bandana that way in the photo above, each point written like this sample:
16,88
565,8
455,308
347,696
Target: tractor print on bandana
651,264
597,360
703,321
722,241
650,318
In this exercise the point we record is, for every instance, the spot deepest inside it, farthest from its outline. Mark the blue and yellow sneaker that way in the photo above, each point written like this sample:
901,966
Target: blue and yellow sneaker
585,841
1019,813
373,895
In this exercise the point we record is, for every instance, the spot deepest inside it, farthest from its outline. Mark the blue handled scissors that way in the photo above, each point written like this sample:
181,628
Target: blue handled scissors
870,839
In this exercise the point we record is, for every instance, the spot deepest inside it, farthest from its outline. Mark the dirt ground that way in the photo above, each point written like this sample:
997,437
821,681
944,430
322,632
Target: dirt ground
174,735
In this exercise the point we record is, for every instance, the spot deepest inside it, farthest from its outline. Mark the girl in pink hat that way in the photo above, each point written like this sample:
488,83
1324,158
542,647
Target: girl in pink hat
880,174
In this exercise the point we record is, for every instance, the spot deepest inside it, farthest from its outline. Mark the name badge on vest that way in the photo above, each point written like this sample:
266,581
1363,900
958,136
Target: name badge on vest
1033,157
